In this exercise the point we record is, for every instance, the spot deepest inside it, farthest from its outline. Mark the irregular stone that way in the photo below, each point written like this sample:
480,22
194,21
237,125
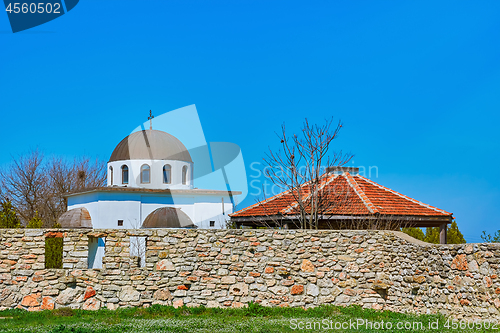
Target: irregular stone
228,280
239,289
419,279
89,292
487,281
5,293
165,265
336,291
473,267
324,283
345,258
279,290
47,303
460,262
67,296
31,300
378,284
297,289
162,295
178,303
129,294
307,266
350,292
67,279
238,305
269,270
496,302
111,306
312,290
352,267
485,269
342,299
91,304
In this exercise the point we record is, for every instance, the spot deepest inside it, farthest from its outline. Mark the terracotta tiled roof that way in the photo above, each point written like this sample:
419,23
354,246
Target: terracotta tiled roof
344,194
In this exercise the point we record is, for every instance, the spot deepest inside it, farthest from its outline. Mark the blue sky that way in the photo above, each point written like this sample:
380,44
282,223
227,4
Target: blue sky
417,85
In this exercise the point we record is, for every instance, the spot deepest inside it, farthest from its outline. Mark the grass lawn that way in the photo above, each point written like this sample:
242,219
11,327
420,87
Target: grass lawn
254,318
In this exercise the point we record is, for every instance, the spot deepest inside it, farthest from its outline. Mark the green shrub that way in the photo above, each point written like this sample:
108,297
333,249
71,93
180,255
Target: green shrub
8,215
487,238
53,252
64,312
35,223
454,235
416,233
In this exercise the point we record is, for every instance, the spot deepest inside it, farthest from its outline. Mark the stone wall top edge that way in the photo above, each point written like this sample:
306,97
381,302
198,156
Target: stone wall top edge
248,232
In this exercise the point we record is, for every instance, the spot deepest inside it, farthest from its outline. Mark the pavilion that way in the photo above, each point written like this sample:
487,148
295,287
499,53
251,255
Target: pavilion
347,201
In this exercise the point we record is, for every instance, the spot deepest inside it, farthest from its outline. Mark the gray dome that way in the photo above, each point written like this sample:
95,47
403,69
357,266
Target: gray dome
168,217
150,145
75,219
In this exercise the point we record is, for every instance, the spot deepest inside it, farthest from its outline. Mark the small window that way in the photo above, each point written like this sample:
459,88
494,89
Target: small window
124,174
111,175
53,252
120,223
167,174
184,175
212,223
145,174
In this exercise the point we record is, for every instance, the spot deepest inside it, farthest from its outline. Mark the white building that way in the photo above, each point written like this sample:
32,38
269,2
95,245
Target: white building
149,185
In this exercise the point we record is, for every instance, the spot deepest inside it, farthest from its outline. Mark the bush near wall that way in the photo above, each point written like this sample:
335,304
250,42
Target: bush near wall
53,252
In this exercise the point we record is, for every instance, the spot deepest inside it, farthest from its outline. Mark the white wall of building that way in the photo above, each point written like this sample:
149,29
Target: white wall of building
156,174
107,208
96,252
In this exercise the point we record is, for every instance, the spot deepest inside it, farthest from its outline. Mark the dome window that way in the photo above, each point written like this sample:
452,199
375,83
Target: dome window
124,174
111,175
145,174
167,174
184,175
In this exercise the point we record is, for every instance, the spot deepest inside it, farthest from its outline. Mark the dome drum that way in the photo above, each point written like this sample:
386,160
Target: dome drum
151,159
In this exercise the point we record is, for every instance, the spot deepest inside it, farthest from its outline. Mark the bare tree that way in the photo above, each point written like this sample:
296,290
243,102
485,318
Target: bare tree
24,182
88,173
137,245
298,169
65,177
37,185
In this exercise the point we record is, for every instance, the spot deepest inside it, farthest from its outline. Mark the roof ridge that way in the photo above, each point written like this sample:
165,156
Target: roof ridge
267,200
361,194
295,203
261,202
405,196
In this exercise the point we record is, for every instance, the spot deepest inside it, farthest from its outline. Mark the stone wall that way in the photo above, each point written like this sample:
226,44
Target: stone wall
229,268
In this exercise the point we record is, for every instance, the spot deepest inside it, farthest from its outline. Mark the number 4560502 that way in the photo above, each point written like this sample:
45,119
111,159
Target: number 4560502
34,8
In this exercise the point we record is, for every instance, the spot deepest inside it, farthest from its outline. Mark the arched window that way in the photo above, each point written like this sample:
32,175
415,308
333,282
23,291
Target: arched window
124,174
167,174
184,175
145,174
111,175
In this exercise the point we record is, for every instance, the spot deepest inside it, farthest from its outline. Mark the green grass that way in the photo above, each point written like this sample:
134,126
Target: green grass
254,318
